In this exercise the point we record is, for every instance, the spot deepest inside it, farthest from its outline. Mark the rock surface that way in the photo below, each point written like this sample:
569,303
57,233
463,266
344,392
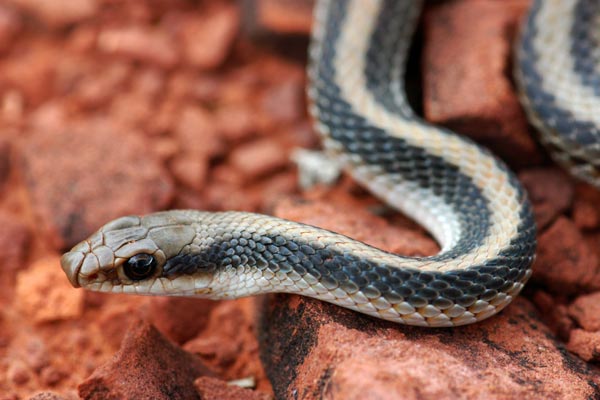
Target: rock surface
313,350
115,174
467,87
111,107
147,366
216,389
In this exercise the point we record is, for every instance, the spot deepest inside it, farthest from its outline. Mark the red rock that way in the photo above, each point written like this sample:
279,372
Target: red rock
466,75
258,158
147,366
198,134
14,242
217,389
43,294
228,344
104,171
47,396
207,39
10,25
131,110
190,172
32,73
554,314
59,13
313,349
586,311
284,102
236,122
179,318
550,191
95,91
565,263
140,43
220,196
585,344
586,209
285,16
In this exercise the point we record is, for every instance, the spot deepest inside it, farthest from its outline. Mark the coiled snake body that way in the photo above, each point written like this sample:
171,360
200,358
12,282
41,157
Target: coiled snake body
469,201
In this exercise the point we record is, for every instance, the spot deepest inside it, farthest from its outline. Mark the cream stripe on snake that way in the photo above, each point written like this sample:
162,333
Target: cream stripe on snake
468,199
481,167
552,43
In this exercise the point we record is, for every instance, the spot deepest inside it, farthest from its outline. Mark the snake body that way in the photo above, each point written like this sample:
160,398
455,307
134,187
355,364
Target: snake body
558,72
469,201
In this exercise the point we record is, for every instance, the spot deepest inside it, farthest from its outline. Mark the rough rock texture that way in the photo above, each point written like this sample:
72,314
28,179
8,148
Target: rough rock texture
14,242
113,175
4,161
285,16
184,104
216,389
565,262
44,295
585,344
466,75
550,191
312,350
146,366
179,318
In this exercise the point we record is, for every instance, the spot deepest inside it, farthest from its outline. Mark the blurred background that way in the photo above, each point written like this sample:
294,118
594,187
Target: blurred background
112,107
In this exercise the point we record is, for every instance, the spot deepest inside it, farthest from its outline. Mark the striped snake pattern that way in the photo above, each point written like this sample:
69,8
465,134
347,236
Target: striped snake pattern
468,200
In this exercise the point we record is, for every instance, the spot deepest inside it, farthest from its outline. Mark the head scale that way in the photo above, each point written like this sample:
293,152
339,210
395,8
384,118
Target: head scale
153,254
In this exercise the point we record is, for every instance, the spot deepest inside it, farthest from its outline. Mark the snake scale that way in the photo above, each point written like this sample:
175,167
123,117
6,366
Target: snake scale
470,202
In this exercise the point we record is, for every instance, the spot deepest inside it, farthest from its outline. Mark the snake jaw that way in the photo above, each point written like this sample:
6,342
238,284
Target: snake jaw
71,263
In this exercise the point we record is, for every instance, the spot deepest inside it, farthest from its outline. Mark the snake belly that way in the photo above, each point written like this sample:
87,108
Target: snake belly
469,201
558,75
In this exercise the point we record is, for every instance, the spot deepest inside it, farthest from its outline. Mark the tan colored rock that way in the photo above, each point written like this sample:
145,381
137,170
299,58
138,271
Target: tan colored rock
313,349
565,263
207,39
466,75
140,43
44,294
586,311
104,171
217,389
585,344
550,191
146,366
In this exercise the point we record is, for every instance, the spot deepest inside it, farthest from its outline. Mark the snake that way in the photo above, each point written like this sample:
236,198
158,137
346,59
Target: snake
465,197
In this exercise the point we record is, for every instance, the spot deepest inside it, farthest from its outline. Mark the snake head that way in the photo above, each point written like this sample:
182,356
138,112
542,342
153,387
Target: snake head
141,255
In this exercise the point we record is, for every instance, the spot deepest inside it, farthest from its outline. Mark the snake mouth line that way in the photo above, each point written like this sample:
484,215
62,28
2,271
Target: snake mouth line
71,263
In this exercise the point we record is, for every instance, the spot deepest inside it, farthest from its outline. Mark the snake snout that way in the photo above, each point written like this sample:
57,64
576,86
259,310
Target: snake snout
71,263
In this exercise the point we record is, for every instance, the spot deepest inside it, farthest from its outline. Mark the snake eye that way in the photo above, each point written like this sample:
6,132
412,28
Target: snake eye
139,266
